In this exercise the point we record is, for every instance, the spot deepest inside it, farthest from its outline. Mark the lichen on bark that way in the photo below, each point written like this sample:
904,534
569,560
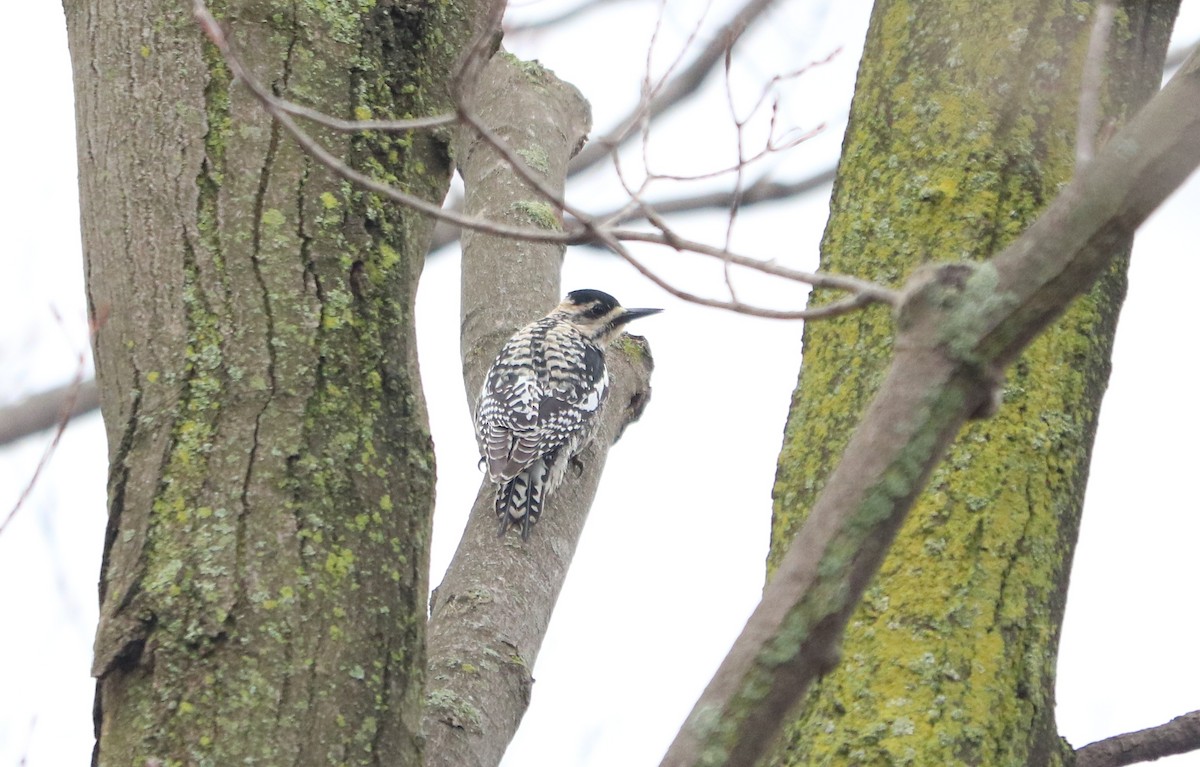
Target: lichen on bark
265,572
961,131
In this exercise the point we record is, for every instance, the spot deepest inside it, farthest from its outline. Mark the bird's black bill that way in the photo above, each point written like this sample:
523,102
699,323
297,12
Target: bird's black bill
632,314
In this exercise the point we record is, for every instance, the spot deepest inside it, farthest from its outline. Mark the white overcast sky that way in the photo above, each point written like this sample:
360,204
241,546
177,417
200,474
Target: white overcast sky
672,561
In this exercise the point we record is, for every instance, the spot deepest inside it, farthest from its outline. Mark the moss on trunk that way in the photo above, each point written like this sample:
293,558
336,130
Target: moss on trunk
263,594
962,129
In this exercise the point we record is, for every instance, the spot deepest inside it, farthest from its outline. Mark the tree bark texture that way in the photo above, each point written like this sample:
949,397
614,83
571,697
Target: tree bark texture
961,131
490,613
959,327
264,579
491,610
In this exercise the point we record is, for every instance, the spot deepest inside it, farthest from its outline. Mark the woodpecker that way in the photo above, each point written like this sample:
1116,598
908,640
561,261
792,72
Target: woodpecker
541,399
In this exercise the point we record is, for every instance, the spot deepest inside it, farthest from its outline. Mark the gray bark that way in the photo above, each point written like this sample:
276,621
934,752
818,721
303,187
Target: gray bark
491,611
271,472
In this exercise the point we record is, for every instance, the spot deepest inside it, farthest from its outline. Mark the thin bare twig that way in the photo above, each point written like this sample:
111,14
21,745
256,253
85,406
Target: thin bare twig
794,74
650,90
773,143
763,190
1090,85
770,148
865,293
844,306
635,196
739,178
594,227
359,126
1178,736
675,91
872,292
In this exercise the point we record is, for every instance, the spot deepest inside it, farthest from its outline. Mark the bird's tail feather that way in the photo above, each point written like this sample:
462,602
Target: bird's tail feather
519,501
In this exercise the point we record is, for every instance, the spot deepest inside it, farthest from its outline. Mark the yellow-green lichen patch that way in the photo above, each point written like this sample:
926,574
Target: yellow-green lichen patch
273,218
634,347
452,709
536,158
533,71
540,214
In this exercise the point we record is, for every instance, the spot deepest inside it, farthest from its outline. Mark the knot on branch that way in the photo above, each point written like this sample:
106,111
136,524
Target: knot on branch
945,311
630,358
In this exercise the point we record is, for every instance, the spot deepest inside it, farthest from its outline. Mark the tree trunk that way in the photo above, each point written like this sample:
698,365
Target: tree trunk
962,129
263,591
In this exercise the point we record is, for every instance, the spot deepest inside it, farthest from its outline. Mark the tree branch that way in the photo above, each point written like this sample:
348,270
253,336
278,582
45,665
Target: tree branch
541,195
46,409
761,191
54,408
1178,736
491,611
1092,81
874,293
958,327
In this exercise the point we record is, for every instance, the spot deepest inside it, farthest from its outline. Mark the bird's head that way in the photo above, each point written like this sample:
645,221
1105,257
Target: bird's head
598,315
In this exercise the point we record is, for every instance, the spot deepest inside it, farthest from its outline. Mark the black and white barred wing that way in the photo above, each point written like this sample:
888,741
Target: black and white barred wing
537,409
521,419
507,424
